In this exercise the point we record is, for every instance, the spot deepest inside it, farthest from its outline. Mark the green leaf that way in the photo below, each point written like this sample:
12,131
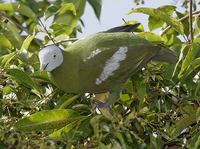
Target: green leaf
46,120
7,58
67,7
21,77
18,7
183,123
94,121
191,54
11,32
182,51
6,90
5,42
51,10
59,134
27,42
69,130
151,37
65,101
198,115
60,29
195,64
154,23
160,15
96,5
195,142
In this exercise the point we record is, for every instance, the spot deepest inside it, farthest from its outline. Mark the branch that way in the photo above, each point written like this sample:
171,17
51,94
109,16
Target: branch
67,40
181,19
190,22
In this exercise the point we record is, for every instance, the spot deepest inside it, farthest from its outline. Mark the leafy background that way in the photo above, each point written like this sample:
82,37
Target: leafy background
158,107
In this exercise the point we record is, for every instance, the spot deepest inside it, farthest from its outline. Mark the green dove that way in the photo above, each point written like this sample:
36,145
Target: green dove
102,62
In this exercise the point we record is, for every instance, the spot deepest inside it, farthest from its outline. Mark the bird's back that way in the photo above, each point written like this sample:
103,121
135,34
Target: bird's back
105,60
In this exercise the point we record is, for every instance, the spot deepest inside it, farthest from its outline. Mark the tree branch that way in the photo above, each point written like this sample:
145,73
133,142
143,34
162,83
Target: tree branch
181,19
190,21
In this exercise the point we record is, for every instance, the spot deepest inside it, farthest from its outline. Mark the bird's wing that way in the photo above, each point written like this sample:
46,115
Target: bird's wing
107,59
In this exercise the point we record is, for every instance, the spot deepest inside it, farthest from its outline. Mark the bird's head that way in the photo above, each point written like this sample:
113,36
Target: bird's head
50,58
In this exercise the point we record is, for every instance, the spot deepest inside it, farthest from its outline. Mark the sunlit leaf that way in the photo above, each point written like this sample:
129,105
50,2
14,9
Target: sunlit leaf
190,56
5,42
70,130
67,7
7,58
46,120
18,7
151,37
160,15
27,42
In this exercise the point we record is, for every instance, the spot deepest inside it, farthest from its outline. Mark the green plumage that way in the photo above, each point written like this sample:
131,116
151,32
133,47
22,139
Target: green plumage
82,66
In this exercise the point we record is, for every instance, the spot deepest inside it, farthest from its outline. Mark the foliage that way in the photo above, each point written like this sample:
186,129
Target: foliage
158,106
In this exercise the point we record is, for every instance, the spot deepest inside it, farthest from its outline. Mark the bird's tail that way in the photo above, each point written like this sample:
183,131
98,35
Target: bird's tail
166,55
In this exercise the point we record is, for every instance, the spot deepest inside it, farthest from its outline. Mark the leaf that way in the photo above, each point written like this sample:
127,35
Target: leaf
51,10
60,29
46,120
198,115
23,78
11,32
18,7
67,7
155,23
65,101
168,9
160,15
151,37
5,42
80,7
63,131
183,123
94,121
27,42
69,130
7,58
195,142
191,54
96,5
182,51
191,68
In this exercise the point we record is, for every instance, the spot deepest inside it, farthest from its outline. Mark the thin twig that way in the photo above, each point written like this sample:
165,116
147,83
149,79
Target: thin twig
190,22
181,19
66,40
47,31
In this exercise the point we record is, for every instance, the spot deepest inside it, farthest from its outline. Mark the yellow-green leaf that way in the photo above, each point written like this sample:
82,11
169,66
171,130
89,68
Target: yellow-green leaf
160,15
46,120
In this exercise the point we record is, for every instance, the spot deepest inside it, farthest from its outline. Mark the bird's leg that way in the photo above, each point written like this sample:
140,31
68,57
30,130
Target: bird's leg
101,102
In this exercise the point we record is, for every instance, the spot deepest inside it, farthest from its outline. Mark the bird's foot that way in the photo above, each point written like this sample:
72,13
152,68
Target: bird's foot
101,105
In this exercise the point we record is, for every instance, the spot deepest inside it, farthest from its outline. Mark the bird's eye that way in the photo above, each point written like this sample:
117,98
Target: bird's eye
54,56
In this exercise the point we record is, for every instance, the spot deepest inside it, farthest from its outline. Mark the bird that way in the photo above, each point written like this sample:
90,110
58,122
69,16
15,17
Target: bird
102,62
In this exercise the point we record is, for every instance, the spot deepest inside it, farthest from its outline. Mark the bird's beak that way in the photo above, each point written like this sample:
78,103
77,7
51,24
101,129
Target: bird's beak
43,66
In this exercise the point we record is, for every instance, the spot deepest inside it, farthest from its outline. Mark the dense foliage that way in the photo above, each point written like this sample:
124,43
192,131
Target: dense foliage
159,106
